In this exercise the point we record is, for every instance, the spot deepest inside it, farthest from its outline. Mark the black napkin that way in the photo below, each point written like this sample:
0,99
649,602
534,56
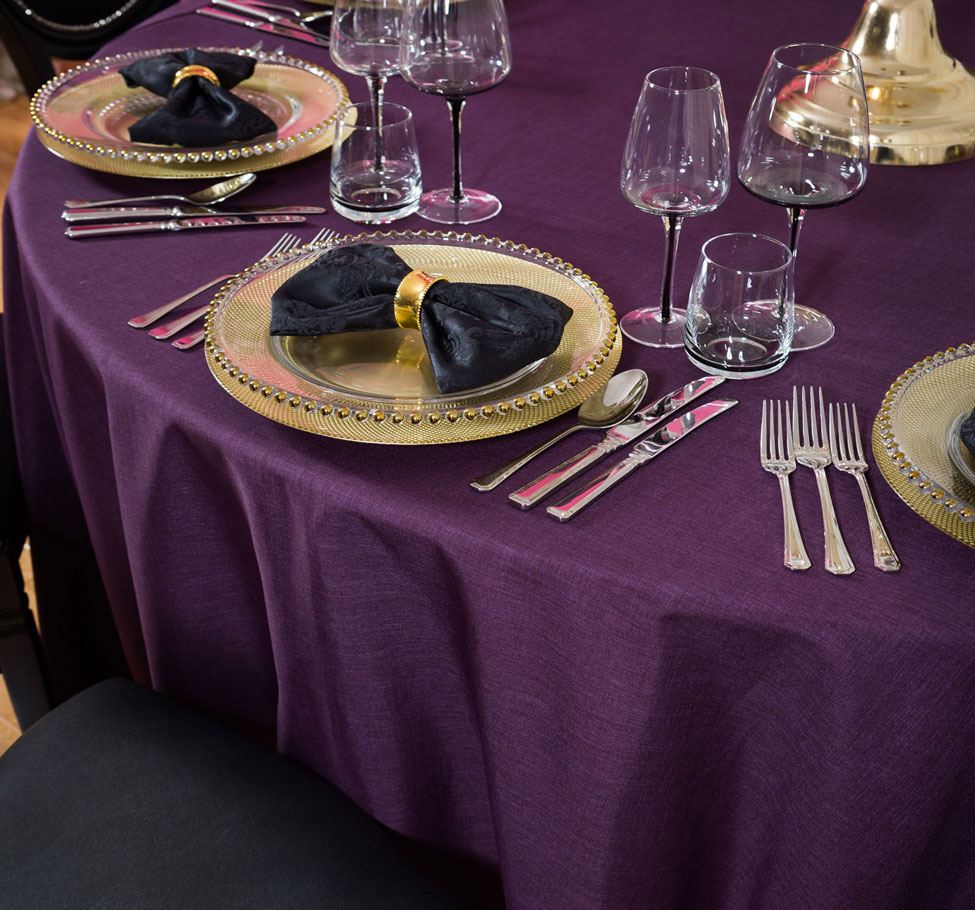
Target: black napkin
474,334
197,112
968,433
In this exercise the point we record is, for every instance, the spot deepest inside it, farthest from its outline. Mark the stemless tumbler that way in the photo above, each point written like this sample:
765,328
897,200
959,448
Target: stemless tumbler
359,190
740,315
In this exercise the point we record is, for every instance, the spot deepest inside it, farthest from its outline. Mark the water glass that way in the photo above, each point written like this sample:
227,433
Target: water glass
372,187
740,313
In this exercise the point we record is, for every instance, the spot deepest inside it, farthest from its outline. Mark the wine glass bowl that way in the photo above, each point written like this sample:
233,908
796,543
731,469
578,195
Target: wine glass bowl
676,163
806,145
455,50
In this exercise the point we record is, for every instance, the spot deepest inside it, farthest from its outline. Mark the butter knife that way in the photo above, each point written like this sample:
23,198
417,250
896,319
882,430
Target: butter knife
178,224
643,421
176,211
272,28
642,452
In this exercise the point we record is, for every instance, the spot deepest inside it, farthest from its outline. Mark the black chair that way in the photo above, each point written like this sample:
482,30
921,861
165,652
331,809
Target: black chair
34,31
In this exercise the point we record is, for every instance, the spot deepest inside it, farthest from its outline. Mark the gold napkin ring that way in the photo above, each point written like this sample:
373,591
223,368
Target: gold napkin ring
409,297
194,69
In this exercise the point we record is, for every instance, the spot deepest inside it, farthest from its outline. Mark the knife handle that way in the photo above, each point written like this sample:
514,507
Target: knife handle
577,501
106,214
533,493
129,227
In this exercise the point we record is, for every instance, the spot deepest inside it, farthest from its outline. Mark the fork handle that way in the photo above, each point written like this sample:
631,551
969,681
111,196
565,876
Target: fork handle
795,550
884,557
838,560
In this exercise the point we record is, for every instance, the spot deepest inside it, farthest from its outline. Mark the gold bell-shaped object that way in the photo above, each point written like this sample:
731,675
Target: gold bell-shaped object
921,100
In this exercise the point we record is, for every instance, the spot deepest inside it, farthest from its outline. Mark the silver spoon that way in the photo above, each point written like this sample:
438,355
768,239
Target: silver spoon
215,193
611,405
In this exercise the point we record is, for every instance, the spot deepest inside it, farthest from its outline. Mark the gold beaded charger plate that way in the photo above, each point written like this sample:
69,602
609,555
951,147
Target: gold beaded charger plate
84,116
912,433
378,386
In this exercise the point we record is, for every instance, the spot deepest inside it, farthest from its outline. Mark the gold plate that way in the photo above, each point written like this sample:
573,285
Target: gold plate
377,386
910,435
83,116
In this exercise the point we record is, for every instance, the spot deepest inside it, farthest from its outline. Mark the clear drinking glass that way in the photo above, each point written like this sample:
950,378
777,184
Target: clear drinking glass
740,309
806,145
455,49
359,190
364,40
676,163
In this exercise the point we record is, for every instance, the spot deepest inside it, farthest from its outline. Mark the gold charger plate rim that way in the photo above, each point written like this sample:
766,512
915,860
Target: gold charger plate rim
143,160
949,506
415,423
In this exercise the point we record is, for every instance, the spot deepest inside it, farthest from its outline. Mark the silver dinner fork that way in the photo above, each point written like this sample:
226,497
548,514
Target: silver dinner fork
847,452
778,458
812,451
192,339
146,319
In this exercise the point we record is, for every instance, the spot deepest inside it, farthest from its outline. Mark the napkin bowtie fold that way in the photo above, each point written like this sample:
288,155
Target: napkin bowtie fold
200,109
474,334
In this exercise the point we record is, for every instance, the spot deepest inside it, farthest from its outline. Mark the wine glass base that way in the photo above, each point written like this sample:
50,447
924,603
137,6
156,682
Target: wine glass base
440,206
813,329
646,326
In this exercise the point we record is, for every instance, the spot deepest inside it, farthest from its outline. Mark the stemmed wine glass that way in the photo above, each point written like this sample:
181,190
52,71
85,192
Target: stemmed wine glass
455,49
364,40
676,163
806,145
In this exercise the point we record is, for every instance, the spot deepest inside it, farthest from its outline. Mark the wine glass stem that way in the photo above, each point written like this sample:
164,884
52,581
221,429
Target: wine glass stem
377,84
456,105
672,228
796,216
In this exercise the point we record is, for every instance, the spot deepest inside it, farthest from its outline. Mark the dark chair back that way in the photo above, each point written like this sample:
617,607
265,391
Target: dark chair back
35,31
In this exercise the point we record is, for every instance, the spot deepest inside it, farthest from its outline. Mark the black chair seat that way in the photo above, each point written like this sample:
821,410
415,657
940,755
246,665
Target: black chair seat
123,798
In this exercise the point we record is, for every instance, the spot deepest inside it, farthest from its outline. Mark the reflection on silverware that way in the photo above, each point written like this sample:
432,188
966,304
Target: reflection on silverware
306,18
614,403
178,224
811,451
191,339
847,452
778,457
264,11
643,422
297,32
218,192
126,212
642,453
286,242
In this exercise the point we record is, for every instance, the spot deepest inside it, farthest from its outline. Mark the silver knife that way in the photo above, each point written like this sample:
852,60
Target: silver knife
181,224
188,211
273,28
641,422
642,452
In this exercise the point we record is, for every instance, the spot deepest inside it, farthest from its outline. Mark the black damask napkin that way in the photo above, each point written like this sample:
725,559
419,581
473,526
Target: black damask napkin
197,112
474,334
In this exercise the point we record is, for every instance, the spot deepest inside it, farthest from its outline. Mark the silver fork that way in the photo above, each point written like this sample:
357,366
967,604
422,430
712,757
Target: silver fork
778,458
847,451
811,451
192,339
146,319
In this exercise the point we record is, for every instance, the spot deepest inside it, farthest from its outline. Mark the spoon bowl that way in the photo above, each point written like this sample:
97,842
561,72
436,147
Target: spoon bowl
612,404
209,195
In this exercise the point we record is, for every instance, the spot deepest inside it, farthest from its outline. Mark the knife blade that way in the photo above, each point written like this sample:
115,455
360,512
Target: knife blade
269,14
641,453
189,211
641,422
272,28
178,224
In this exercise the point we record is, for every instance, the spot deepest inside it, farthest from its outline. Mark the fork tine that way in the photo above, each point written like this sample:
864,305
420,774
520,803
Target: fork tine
835,438
822,419
763,439
779,448
856,433
795,418
790,442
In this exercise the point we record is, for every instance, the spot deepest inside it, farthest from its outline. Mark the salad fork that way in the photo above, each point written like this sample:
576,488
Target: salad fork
779,459
191,339
812,451
847,452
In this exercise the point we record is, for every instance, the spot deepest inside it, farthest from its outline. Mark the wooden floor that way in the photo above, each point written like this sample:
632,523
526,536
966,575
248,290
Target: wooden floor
14,124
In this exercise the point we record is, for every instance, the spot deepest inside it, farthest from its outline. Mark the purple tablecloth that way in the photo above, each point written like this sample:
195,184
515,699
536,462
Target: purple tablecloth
641,708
